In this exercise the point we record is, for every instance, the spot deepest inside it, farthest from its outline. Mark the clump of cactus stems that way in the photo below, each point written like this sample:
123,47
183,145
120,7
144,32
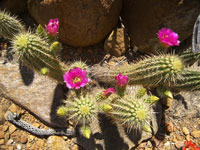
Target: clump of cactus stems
35,52
9,25
148,72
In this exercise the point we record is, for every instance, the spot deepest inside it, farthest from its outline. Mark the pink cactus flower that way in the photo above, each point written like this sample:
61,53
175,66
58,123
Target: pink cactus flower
122,80
52,27
76,78
108,92
168,37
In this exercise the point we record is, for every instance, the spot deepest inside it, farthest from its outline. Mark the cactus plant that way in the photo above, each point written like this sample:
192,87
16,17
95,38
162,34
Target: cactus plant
131,112
9,25
149,71
35,53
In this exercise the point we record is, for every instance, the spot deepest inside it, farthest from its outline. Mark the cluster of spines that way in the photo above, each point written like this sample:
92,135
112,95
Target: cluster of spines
35,52
9,25
149,71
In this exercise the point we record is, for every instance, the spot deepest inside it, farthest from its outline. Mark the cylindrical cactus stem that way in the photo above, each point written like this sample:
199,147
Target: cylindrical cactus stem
9,25
148,72
82,110
131,112
189,57
34,52
190,81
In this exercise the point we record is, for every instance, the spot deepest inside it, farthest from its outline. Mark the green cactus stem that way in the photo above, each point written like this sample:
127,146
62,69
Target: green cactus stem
131,112
9,25
190,81
82,110
35,53
189,57
148,72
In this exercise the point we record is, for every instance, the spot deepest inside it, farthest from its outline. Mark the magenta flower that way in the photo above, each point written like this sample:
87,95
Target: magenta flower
76,78
108,92
122,80
168,37
52,27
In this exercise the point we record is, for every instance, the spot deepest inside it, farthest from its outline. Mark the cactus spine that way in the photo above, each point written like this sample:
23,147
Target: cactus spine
9,25
150,71
35,53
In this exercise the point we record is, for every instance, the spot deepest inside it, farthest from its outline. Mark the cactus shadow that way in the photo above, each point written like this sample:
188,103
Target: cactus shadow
110,134
59,95
26,74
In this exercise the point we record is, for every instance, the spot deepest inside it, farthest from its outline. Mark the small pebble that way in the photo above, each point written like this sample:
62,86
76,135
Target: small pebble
179,144
5,128
23,139
2,134
19,147
188,138
169,127
12,129
185,131
196,134
10,141
2,141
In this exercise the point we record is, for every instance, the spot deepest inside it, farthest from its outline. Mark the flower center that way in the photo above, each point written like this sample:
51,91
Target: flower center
76,80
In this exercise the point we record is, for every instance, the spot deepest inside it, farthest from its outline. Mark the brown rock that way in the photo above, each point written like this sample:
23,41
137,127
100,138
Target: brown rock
117,42
13,108
196,134
7,136
82,23
5,127
169,127
14,6
56,142
23,139
155,14
2,119
179,144
2,141
39,143
32,91
37,125
185,131
2,134
12,129
188,137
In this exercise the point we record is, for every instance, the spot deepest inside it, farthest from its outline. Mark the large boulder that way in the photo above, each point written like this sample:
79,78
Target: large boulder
144,18
13,6
82,23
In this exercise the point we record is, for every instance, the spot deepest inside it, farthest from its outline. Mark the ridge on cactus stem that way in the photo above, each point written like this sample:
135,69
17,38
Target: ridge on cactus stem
52,27
76,78
9,25
168,37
